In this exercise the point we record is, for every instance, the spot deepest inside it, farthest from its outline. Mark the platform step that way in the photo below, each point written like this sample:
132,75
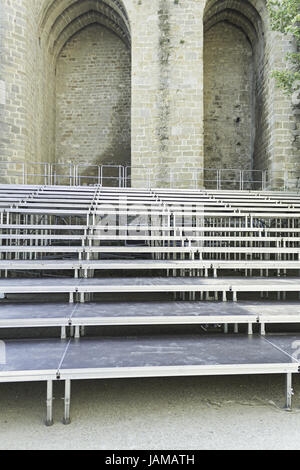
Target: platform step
19,315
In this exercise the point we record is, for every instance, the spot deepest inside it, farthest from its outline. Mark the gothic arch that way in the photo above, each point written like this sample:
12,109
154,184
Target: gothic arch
53,9
60,23
62,20
251,19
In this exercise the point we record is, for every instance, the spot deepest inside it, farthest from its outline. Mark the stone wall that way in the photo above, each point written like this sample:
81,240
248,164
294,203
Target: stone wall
13,63
93,99
167,107
166,41
27,108
228,98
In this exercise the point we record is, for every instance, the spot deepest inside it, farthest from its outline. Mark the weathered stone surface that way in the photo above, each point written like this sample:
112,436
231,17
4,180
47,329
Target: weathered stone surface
228,98
93,99
169,95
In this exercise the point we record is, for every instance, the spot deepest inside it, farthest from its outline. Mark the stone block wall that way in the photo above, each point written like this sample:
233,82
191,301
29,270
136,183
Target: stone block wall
228,98
167,107
167,86
93,99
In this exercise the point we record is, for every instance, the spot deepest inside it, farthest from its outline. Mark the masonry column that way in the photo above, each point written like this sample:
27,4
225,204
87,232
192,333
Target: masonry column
145,148
184,153
12,87
167,94
284,150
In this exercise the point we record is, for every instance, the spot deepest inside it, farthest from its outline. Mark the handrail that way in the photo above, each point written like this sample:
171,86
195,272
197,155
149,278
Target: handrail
124,176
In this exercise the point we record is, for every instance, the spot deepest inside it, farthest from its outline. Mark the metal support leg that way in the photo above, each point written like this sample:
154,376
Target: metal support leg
77,332
236,328
225,328
278,295
250,329
262,329
49,420
67,419
289,391
63,334
283,295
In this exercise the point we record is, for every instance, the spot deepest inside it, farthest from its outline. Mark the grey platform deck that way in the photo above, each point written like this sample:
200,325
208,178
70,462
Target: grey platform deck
147,264
146,313
32,360
122,313
150,284
148,356
151,356
30,315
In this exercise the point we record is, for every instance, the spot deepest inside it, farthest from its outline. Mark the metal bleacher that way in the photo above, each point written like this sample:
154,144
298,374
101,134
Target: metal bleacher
225,263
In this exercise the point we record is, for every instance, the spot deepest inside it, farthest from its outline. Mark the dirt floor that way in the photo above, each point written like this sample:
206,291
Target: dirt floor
241,412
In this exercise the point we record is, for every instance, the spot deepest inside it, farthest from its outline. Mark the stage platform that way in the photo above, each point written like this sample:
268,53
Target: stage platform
119,257
190,285
54,314
147,356
123,313
82,268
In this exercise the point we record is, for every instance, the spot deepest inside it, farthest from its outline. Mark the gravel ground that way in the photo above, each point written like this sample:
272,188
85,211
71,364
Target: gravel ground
241,412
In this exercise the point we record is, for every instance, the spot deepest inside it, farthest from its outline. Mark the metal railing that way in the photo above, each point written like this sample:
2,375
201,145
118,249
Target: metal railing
124,176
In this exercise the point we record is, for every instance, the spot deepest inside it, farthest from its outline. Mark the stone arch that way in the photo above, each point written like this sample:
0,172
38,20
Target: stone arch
62,26
255,10
90,17
51,10
64,19
244,86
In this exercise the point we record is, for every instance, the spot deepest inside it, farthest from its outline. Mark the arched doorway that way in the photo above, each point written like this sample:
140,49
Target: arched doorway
234,94
88,48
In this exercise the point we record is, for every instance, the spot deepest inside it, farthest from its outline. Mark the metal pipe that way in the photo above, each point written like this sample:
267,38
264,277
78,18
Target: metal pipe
67,402
289,391
49,420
